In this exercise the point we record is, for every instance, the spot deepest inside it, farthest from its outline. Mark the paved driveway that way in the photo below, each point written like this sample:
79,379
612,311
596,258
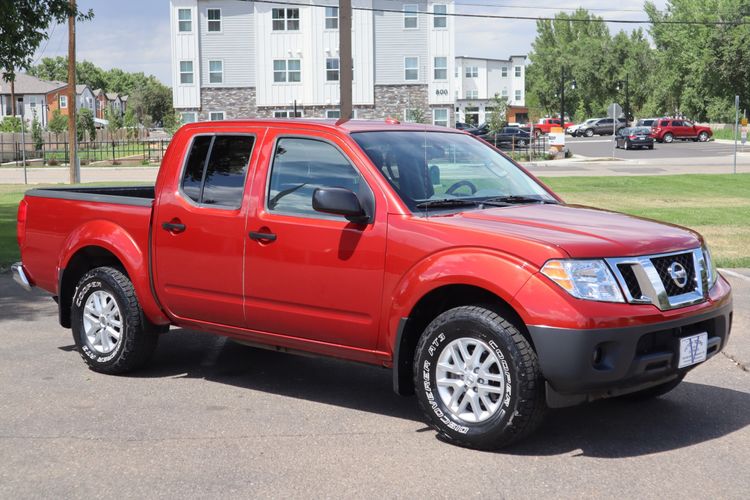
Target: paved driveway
211,418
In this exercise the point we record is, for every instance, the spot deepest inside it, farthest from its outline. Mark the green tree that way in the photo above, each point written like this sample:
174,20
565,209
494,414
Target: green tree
85,123
114,121
415,115
10,124
172,122
59,122
36,134
497,117
23,26
131,124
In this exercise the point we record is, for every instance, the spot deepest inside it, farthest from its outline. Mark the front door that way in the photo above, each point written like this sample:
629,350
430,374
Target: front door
199,231
311,275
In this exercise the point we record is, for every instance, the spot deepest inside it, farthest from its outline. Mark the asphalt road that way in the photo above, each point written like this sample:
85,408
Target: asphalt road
211,418
601,147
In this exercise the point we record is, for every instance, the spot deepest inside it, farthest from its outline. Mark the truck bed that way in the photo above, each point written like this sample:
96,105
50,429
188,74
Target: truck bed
123,195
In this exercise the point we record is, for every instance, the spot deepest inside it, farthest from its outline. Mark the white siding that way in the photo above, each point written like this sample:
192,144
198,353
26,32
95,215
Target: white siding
441,44
185,48
393,43
234,45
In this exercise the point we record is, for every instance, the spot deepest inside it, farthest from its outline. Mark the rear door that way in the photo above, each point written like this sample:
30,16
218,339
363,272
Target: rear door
308,274
199,230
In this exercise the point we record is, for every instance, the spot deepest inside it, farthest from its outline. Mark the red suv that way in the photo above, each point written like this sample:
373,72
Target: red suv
668,129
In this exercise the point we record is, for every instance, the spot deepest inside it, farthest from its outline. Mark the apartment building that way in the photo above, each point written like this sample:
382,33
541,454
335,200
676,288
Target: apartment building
478,80
236,59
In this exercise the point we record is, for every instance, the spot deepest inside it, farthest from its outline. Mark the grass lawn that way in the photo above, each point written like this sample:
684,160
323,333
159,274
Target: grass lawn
726,133
718,206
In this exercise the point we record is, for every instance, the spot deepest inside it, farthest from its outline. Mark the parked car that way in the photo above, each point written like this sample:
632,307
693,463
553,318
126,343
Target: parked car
645,122
578,129
480,129
634,137
463,126
508,137
486,294
669,129
602,126
545,125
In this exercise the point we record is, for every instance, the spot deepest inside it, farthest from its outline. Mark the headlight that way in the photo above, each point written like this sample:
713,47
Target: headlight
713,274
584,279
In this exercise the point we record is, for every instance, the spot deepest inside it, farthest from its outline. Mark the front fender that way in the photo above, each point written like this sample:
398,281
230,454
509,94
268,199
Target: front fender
118,241
498,273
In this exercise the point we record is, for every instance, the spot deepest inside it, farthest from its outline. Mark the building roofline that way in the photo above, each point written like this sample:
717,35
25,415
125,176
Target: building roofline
490,58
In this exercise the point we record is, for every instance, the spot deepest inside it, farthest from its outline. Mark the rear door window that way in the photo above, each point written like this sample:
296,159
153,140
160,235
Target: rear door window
216,169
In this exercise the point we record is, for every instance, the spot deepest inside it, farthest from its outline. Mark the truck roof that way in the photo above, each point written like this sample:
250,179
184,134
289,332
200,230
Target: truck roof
346,127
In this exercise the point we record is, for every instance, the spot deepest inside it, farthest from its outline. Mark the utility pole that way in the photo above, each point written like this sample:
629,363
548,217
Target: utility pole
75,173
627,102
345,60
562,97
736,129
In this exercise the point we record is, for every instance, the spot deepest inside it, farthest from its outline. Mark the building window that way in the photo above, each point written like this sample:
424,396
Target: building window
472,72
216,115
441,68
439,20
214,20
472,94
333,113
440,117
186,72
504,71
215,72
519,95
184,20
411,68
332,69
332,18
286,71
410,16
504,93
285,19
518,71
63,102
188,117
287,113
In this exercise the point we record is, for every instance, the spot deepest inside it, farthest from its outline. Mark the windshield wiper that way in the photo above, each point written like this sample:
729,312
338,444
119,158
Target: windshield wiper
448,202
511,199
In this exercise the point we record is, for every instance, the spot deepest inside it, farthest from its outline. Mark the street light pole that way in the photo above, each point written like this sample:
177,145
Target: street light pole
562,97
627,101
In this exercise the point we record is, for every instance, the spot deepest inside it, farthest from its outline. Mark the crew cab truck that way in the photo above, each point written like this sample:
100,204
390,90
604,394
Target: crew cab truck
545,125
421,249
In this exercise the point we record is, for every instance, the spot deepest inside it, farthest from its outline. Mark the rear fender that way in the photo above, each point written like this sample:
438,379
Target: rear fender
116,240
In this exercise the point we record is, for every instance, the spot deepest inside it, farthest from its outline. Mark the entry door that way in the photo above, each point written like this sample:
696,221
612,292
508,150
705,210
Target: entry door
199,232
310,275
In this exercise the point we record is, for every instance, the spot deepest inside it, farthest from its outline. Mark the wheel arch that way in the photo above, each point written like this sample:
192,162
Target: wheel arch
427,308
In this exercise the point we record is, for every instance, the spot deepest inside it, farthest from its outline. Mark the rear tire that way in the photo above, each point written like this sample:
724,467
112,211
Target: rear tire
109,328
478,379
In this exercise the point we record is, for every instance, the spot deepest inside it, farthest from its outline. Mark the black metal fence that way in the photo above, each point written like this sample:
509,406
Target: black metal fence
55,153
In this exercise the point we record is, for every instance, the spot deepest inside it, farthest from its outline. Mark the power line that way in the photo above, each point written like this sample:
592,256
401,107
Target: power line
46,42
520,18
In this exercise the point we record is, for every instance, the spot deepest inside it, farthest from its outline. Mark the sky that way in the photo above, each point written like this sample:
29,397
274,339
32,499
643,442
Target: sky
134,35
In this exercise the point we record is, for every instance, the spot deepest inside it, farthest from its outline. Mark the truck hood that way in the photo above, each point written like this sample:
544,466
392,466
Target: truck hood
582,232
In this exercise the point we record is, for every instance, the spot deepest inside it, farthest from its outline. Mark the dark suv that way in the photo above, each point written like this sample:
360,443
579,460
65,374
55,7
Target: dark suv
603,126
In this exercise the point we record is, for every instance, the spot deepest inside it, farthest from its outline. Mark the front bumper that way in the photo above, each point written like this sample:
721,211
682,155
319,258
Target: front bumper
19,276
583,365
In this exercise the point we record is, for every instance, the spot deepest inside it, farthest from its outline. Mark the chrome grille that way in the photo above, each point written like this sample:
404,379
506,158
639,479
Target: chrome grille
647,279
662,265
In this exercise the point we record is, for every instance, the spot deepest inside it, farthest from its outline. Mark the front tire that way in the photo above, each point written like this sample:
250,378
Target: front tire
668,138
478,379
109,328
589,132
703,136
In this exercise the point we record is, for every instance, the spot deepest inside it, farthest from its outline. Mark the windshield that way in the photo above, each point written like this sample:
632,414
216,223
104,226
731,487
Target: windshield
437,166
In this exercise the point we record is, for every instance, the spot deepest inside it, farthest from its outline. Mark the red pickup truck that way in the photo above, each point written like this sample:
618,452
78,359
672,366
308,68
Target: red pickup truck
421,249
545,125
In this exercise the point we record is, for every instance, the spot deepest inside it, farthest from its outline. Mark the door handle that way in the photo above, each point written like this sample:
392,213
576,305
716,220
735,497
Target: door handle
173,227
267,237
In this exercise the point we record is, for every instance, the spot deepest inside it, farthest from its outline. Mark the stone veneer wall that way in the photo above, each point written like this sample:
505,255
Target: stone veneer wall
390,100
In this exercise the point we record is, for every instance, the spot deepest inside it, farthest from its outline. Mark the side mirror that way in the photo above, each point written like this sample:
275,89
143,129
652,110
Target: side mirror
340,201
